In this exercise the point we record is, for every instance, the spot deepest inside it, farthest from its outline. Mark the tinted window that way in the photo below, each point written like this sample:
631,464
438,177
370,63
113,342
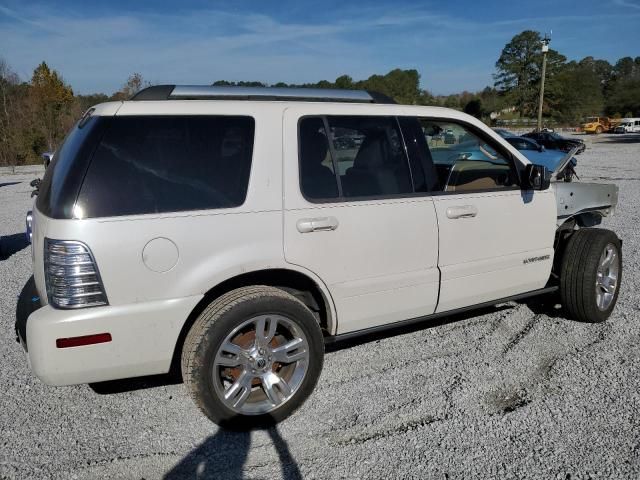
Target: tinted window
463,160
370,156
157,164
63,177
364,154
317,177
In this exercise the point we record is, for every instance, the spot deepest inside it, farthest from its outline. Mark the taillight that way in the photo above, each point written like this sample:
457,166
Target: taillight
71,275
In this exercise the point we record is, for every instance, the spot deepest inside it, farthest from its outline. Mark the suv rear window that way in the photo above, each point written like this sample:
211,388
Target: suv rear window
156,164
62,179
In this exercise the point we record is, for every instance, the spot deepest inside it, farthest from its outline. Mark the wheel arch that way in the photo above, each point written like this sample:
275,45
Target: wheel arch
301,284
570,225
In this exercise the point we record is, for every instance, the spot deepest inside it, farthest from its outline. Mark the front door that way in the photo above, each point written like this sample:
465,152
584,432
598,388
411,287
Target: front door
495,239
352,217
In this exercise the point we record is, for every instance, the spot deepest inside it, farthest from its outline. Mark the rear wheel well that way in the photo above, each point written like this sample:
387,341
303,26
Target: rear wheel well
295,283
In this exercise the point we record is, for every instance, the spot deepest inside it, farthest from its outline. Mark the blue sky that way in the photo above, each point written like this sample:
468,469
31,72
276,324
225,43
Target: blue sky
454,45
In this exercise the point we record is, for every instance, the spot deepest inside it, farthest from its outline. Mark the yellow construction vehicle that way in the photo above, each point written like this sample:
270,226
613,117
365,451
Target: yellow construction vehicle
599,124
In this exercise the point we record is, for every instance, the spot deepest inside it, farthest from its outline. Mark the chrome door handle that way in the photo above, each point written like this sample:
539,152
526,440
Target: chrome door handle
321,224
463,211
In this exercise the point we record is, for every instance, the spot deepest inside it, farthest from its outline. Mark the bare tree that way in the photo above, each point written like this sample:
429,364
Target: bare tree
133,85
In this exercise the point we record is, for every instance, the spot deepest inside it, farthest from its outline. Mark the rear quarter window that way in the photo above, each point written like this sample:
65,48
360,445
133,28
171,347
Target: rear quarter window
63,177
157,164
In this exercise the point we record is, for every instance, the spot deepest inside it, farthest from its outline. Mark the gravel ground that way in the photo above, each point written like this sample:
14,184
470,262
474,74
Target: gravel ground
505,393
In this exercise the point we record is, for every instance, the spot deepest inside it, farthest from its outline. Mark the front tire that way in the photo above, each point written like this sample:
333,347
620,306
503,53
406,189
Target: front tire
590,274
252,357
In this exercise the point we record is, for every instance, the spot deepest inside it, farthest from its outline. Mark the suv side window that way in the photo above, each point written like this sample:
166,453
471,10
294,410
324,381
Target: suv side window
317,176
156,164
366,157
464,161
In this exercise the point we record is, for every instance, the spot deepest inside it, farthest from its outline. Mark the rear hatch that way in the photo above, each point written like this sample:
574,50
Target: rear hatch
63,179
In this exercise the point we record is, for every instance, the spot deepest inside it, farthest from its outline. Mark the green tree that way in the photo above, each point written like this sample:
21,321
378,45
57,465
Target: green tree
12,116
491,101
474,108
519,71
87,101
344,81
624,92
401,85
53,103
578,92
451,101
625,97
624,67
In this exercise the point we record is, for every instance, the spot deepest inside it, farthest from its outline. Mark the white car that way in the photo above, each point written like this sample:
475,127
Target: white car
628,125
220,229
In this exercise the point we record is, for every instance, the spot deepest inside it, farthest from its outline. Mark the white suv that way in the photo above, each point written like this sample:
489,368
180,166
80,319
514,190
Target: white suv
236,231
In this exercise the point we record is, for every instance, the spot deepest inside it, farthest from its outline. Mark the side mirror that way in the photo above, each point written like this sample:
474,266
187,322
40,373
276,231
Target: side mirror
541,148
536,177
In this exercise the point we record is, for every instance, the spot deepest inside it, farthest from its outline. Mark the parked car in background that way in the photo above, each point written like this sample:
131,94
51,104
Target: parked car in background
628,125
554,160
536,152
449,137
504,133
554,141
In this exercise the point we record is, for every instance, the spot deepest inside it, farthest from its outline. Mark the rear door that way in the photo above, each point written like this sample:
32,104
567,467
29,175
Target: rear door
353,216
496,240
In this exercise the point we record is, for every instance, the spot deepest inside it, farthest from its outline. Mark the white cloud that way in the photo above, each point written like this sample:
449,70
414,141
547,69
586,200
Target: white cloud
98,52
627,4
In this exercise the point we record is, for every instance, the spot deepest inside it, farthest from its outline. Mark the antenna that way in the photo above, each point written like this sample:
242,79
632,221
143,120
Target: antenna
545,42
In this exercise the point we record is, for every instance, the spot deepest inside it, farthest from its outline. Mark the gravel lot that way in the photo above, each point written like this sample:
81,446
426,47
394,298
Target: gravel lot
505,393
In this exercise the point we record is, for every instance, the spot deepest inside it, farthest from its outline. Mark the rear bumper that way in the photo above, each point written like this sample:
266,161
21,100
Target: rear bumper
28,302
143,339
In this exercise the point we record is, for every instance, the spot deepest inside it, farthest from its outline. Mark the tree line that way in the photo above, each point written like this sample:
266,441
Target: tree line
35,114
573,89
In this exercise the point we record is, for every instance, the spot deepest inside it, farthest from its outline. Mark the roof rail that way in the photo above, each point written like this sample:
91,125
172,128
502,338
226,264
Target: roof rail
208,92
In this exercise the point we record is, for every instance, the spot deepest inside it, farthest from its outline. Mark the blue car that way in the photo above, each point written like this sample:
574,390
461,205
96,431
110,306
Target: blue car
554,160
536,153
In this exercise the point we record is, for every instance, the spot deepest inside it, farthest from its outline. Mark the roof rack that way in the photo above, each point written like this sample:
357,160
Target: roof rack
208,92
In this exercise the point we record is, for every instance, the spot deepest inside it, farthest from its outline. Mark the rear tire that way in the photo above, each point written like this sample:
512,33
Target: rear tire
598,130
252,357
590,274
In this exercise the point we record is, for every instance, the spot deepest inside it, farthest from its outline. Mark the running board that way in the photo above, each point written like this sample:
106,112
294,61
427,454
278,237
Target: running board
331,339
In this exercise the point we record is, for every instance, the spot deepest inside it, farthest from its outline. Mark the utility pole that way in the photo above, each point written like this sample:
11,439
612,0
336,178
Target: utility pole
545,48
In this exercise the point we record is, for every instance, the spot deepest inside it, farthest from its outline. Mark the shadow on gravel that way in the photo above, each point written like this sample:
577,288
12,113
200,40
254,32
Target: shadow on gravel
627,138
8,184
402,330
224,454
10,244
132,384
548,305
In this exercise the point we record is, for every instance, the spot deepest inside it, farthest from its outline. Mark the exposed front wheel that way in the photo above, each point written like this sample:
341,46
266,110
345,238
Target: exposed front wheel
252,357
590,275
